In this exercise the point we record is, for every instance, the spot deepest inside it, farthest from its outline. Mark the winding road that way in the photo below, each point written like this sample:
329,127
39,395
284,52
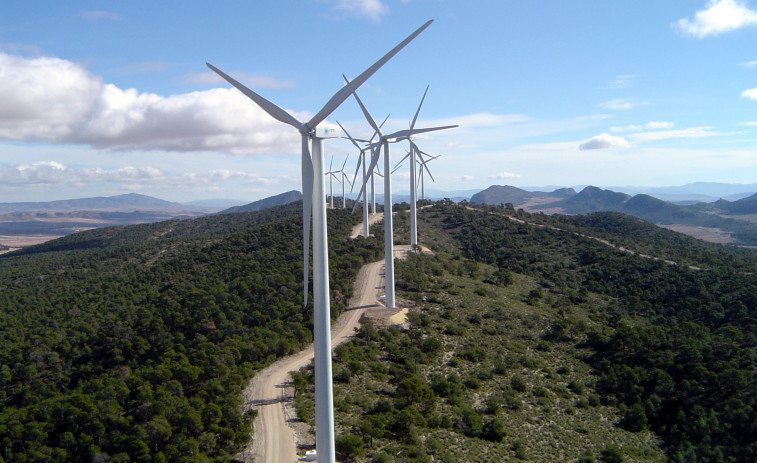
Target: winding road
272,440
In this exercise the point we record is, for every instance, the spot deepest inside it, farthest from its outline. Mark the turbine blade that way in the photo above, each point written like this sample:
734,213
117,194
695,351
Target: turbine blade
374,162
396,166
367,115
349,136
345,163
357,169
307,206
345,91
272,109
412,124
409,132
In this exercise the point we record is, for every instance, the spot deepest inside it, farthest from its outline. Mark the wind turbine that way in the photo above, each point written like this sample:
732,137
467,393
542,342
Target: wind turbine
424,166
388,222
313,186
332,175
361,161
414,151
343,180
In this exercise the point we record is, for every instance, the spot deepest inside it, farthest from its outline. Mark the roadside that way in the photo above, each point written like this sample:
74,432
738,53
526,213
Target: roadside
276,433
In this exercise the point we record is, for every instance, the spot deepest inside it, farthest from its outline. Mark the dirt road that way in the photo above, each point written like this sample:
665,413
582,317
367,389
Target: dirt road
272,439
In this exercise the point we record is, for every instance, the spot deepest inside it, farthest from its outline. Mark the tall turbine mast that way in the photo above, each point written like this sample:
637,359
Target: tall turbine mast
315,200
413,154
361,161
390,300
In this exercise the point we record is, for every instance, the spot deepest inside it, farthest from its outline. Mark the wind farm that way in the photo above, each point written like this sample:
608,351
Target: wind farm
577,285
313,192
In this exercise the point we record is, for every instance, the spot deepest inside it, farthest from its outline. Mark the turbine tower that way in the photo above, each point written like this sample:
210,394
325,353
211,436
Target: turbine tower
413,154
343,180
332,175
388,222
361,161
424,166
313,196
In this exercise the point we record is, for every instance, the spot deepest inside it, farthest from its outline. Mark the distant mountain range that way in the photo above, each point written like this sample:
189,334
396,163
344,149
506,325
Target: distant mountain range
737,218
121,203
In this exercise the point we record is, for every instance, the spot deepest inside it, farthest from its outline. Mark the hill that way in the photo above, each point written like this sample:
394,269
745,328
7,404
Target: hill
503,194
277,200
583,338
134,343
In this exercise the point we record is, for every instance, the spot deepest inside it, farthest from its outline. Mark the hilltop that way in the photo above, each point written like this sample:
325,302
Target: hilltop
595,337
723,221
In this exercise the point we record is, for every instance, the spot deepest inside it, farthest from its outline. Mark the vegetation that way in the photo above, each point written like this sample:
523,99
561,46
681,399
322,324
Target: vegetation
133,343
548,339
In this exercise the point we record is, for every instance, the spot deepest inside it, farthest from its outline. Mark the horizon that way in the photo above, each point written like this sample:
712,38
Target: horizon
118,100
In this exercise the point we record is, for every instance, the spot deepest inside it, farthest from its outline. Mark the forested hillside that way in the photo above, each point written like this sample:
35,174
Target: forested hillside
542,338
133,343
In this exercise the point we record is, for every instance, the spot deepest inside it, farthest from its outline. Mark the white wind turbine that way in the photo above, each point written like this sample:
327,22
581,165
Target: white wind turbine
313,186
332,174
389,300
413,154
361,161
424,166
345,179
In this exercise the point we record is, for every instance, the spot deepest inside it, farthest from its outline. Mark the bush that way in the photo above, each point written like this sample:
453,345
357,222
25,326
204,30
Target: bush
350,446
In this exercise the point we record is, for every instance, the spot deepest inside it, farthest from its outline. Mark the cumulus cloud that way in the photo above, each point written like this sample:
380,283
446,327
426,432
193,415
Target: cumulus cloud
603,141
620,103
51,173
504,175
251,80
655,125
467,178
718,17
371,9
750,94
748,123
53,100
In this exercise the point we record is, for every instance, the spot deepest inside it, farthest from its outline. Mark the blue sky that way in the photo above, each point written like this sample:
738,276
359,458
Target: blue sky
105,98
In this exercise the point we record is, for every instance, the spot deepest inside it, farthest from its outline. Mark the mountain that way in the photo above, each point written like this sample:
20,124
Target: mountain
278,200
590,199
746,205
122,203
503,194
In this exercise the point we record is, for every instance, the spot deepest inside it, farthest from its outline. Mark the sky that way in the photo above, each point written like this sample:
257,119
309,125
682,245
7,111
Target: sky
105,98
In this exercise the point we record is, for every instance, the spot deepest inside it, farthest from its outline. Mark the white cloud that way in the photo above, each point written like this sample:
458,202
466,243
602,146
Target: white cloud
749,123
505,175
620,103
603,141
54,100
467,178
371,9
750,94
655,125
693,132
748,64
250,80
627,128
719,16
51,173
